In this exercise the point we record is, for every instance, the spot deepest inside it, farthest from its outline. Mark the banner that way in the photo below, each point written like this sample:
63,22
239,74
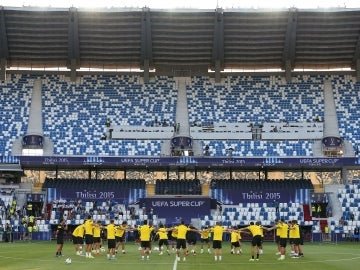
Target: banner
104,161
175,209
122,195
233,197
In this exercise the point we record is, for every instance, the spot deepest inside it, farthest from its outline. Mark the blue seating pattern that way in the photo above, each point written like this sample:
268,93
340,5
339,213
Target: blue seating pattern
255,99
346,95
15,99
349,197
241,215
75,113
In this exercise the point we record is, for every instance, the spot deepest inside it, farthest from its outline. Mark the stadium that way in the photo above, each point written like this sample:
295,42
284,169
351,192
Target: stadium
133,114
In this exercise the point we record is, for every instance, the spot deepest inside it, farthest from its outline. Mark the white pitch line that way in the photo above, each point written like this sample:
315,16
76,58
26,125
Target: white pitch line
175,263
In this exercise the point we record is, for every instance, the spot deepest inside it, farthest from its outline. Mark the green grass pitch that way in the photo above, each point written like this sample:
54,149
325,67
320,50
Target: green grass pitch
38,255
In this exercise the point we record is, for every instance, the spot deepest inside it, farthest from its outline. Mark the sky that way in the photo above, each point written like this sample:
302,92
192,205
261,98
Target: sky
196,4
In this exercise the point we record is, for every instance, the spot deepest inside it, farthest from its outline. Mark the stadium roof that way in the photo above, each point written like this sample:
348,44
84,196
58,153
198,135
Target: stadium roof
186,39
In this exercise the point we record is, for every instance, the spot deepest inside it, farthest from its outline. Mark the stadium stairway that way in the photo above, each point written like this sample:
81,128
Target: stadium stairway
35,124
330,116
332,191
182,114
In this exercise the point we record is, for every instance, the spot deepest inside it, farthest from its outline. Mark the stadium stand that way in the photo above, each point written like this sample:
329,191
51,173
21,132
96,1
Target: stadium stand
75,122
346,94
255,99
349,197
15,95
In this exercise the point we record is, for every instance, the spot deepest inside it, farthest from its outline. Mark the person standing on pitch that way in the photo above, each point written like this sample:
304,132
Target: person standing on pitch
60,232
89,236
256,233
283,229
163,239
205,239
145,233
182,229
78,236
111,240
218,232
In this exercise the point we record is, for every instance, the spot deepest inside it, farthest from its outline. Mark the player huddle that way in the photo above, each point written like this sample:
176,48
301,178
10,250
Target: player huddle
182,237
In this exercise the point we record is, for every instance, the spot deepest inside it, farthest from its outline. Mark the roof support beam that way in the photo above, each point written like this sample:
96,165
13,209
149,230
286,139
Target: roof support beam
357,69
218,44
288,59
356,59
73,43
146,43
4,50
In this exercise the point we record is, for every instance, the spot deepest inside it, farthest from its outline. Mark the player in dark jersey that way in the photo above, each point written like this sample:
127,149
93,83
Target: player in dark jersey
60,233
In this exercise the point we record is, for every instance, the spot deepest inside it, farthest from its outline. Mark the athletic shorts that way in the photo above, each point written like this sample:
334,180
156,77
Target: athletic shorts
77,240
301,241
283,242
277,239
120,239
145,244
192,241
235,244
89,239
163,242
256,241
60,240
296,241
204,240
97,239
173,238
217,244
111,243
181,243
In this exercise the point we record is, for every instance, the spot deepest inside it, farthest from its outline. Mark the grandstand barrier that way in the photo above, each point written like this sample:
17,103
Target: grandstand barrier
141,132
143,161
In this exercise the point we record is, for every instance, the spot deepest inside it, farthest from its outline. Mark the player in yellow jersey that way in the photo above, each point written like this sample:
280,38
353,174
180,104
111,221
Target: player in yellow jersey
97,237
89,238
262,236
256,233
218,232
294,235
173,237
182,229
283,229
205,239
277,238
120,236
145,233
78,236
235,240
163,239
111,240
